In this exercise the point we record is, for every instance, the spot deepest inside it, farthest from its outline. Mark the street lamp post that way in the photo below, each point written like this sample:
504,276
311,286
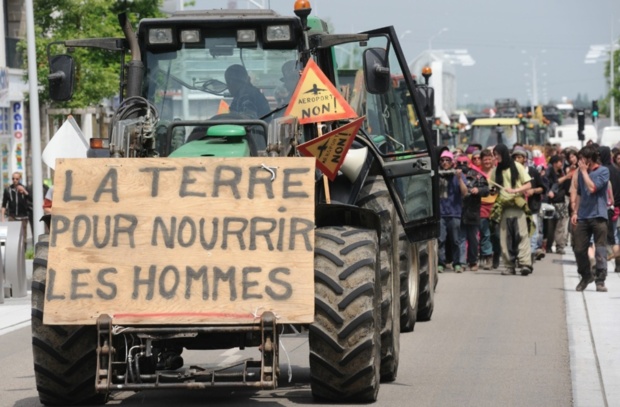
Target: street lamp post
534,93
430,40
534,85
35,125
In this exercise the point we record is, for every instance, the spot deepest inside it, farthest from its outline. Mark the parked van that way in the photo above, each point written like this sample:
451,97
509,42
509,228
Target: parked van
610,136
566,135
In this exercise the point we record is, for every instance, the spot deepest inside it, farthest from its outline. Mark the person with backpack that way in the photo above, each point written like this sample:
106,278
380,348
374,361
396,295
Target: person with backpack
534,201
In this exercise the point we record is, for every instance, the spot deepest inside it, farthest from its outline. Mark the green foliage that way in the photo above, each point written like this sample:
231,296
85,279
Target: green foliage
97,71
29,255
614,89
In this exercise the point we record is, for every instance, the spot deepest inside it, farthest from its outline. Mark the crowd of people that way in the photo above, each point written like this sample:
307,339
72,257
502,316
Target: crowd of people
516,205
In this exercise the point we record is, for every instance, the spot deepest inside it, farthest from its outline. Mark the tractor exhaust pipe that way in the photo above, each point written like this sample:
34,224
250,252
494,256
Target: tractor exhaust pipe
135,67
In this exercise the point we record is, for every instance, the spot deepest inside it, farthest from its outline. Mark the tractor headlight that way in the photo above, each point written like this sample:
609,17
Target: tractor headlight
277,33
160,36
246,37
190,36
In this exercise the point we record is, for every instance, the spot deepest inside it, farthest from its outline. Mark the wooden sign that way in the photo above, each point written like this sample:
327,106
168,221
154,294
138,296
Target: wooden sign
316,99
181,241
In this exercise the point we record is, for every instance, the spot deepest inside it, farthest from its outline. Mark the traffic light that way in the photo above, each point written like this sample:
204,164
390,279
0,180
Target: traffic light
581,124
594,110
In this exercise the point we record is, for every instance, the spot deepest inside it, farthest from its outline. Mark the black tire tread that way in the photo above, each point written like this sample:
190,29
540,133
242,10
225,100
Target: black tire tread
428,281
64,356
375,196
344,339
409,275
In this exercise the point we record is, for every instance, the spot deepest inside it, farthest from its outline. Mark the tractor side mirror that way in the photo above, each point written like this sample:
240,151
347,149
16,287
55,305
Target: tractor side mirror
61,77
376,71
426,94
426,98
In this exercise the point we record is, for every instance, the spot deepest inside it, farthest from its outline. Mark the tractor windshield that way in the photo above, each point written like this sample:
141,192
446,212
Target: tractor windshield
488,136
192,83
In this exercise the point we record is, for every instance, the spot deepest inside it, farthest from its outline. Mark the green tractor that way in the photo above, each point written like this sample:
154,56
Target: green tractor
375,221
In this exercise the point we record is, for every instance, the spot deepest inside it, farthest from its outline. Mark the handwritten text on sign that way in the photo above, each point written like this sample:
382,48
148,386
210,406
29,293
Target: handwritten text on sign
181,241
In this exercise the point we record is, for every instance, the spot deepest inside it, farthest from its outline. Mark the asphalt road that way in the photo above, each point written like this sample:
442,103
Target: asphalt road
493,341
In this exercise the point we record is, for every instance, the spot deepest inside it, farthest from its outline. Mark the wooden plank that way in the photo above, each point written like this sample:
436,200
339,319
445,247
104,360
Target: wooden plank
175,241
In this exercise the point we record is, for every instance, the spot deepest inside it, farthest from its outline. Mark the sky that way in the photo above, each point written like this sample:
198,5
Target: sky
509,40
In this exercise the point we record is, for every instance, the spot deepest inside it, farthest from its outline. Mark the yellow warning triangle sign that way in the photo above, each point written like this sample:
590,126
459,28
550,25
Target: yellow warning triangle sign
316,99
331,149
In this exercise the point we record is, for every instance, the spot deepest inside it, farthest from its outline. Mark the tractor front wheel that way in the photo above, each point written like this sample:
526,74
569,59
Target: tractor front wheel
65,361
344,340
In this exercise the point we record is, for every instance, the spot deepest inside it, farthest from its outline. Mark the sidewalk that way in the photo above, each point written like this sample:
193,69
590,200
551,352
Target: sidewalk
14,314
593,324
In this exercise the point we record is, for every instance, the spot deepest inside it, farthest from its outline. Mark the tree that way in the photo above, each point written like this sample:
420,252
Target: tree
614,88
97,71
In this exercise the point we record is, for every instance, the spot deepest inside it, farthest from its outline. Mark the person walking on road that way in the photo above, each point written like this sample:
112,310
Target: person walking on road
559,188
452,189
613,239
489,241
511,212
589,218
534,200
477,187
570,167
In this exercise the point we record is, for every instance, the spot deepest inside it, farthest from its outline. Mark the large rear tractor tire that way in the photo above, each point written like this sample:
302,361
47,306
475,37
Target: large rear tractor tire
65,361
376,197
344,340
409,282
427,261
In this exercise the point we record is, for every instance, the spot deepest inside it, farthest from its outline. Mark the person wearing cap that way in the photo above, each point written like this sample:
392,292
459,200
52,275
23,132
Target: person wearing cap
477,187
534,200
452,189
471,148
511,212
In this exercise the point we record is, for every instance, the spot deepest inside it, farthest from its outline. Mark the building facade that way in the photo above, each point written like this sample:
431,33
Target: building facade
13,148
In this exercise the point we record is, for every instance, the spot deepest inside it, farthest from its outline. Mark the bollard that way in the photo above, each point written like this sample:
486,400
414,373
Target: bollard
14,259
